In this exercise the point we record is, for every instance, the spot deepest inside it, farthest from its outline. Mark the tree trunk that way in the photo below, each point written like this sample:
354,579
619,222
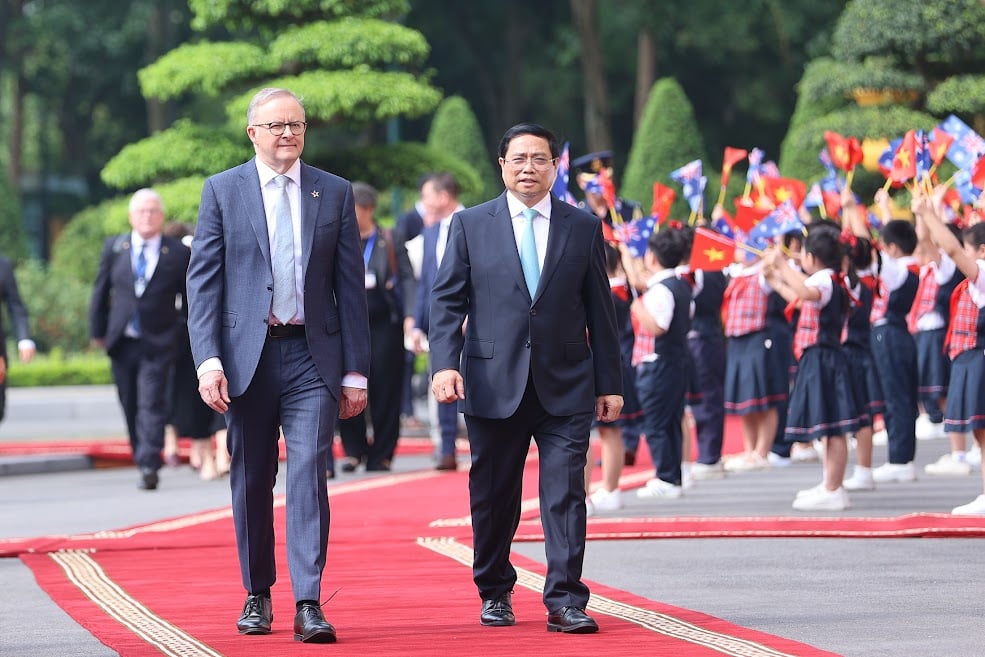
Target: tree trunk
159,41
646,72
15,148
597,134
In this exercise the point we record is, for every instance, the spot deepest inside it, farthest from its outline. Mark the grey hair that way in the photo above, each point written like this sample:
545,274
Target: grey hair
363,195
141,194
263,96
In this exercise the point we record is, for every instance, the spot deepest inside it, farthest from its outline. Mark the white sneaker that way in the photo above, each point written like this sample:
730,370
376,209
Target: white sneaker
976,507
894,472
807,492
861,479
927,430
701,471
605,500
973,456
880,438
589,509
659,489
687,481
804,453
948,466
823,500
777,461
749,463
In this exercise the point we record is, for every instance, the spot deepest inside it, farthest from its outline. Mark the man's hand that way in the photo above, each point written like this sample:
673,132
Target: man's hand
448,386
214,389
607,407
3,369
27,353
353,402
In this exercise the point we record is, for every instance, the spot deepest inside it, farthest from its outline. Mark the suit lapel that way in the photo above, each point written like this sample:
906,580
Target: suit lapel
310,200
505,240
249,188
557,238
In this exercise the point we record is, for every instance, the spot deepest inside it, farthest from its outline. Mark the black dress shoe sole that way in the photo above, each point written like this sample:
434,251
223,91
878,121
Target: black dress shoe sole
319,636
499,622
254,630
578,628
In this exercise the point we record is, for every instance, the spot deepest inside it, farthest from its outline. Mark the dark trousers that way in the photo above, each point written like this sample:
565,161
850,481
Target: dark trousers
894,354
384,390
143,384
499,449
407,393
935,370
708,358
661,386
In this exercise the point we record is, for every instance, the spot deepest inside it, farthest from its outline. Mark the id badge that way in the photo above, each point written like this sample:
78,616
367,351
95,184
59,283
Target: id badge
370,280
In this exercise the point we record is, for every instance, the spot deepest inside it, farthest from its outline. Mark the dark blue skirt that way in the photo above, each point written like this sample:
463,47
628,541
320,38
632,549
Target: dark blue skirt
755,374
822,402
965,410
933,365
864,382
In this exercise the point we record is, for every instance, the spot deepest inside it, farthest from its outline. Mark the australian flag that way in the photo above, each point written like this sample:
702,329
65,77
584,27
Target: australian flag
635,234
962,182
560,187
755,165
690,178
783,219
968,145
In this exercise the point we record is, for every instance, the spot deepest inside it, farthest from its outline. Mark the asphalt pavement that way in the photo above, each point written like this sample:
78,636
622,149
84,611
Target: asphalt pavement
855,597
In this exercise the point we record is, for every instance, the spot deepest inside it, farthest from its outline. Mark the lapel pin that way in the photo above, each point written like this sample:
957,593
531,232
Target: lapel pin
315,194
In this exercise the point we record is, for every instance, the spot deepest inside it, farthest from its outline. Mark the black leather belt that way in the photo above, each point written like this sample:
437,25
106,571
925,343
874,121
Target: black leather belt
285,330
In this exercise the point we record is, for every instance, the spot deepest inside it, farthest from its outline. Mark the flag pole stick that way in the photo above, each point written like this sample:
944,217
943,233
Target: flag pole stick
750,249
721,195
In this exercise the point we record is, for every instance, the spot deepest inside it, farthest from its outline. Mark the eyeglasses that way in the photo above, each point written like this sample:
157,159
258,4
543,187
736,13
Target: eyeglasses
538,161
277,129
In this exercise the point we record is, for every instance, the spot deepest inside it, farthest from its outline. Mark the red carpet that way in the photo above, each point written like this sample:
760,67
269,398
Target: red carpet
173,588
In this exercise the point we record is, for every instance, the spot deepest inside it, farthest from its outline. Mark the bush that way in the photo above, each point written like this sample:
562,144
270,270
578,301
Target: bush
57,306
455,130
58,369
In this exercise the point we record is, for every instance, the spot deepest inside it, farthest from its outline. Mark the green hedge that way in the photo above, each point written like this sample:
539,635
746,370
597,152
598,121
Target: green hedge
58,369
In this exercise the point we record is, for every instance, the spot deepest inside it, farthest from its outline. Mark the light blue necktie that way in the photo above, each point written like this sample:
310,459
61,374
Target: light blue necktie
285,303
528,252
140,282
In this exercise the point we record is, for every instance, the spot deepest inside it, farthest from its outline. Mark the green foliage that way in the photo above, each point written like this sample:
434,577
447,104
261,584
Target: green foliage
914,33
176,152
962,94
204,68
667,139
804,143
12,239
361,95
232,13
455,130
349,42
88,230
826,79
401,165
57,305
59,369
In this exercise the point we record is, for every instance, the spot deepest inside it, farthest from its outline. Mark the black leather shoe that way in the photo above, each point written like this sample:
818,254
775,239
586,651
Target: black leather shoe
498,612
447,463
350,463
257,615
310,625
572,620
148,480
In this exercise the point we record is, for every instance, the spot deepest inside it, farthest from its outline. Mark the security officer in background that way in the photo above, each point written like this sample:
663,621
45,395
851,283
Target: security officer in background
587,170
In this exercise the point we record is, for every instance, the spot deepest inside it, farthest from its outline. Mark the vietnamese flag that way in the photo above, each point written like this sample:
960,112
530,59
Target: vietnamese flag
978,174
608,188
748,214
846,152
711,251
732,157
663,198
905,161
780,190
939,144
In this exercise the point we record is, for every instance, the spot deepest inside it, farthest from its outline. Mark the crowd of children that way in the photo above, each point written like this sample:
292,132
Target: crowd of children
873,325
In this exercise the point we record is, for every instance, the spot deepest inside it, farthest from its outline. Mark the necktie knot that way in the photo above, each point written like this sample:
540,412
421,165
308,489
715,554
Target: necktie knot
530,214
281,181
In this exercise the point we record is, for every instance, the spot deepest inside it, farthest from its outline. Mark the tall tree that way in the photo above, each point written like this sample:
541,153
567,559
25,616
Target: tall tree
586,19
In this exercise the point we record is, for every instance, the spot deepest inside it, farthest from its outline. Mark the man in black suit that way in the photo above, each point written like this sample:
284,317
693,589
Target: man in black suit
10,295
539,357
136,315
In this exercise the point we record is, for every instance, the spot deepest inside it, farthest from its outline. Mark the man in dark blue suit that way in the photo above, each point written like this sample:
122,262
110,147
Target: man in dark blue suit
280,336
439,197
539,357
135,314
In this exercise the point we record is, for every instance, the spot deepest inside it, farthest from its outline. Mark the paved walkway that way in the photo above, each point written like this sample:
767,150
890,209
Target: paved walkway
856,597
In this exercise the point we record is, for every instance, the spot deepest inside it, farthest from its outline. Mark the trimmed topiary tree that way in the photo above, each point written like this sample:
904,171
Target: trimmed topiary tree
455,131
667,139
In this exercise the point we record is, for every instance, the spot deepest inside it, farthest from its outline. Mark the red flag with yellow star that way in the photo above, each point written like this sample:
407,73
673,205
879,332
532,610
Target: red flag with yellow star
663,199
780,190
905,161
711,251
732,157
846,152
939,144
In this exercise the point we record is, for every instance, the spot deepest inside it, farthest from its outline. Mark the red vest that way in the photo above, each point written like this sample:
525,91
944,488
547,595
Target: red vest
744,306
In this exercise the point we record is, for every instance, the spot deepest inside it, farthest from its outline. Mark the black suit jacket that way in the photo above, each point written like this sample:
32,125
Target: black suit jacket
160,307
565,337
10,297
